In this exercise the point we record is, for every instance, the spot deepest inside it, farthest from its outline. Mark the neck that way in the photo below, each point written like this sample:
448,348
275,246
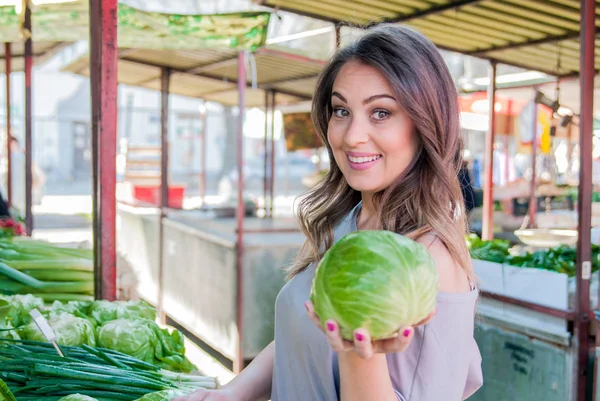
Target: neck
368,214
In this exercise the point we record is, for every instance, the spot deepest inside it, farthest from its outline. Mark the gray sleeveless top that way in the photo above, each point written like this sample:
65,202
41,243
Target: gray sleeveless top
441,363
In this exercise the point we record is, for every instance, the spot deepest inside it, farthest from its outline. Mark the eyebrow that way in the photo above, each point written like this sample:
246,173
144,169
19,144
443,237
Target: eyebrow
367,100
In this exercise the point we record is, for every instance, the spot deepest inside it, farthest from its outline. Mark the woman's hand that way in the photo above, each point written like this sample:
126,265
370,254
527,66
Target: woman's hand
209,395
362,343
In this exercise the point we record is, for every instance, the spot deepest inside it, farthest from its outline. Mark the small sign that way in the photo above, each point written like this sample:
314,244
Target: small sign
586,270
45,328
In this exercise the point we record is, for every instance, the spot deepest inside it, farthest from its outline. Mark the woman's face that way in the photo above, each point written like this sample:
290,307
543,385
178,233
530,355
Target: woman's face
372,137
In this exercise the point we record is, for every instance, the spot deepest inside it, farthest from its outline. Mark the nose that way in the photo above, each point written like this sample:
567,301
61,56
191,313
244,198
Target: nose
357,132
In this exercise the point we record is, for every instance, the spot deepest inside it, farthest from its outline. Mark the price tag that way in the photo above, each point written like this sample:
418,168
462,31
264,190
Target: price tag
586,270
45,328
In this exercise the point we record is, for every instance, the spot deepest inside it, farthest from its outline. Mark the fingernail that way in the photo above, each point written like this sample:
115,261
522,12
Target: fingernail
330,326
359,337
306,306
406,332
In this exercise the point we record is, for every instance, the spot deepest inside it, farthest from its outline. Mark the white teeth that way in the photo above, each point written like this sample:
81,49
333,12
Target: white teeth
363,159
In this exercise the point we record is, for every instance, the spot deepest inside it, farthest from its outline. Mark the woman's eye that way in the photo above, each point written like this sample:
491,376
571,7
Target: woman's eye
381,114
339,112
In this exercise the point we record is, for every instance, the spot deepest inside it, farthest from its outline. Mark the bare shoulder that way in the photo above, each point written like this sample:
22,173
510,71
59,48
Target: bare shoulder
452,276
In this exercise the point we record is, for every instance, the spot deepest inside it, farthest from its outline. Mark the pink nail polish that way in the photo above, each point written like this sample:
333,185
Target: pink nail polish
359,337
406,332
330,326
306,306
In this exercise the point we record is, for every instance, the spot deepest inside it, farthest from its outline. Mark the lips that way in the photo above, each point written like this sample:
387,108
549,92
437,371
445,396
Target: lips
362,161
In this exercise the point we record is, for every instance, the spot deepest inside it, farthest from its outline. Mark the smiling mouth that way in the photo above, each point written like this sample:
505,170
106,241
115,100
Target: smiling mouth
367,159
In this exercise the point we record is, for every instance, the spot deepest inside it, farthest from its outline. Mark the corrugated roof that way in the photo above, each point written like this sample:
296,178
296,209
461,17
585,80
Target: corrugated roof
212,74
41,52
533,34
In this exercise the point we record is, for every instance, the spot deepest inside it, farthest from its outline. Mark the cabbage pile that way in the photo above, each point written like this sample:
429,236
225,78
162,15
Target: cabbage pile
377,280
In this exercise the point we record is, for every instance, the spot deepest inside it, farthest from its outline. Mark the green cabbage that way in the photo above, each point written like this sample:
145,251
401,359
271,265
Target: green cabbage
19,306
106,311
143,339
77,397
377,280
69,330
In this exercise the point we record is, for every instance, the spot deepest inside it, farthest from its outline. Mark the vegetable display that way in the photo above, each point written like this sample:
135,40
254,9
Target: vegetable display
50,272
560,259
377,280
34,371
124,326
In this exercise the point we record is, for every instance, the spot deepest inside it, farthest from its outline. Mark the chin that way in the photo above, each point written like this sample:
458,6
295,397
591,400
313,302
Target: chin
363,185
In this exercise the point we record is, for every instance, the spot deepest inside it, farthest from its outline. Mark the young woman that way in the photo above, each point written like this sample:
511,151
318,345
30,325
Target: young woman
387,109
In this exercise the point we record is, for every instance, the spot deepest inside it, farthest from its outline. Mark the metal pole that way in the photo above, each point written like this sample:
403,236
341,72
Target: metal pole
28,123
204,154
103,78
507,142
584,204
488,185
266,156
273,151
241,212
164,184
532,184
8,70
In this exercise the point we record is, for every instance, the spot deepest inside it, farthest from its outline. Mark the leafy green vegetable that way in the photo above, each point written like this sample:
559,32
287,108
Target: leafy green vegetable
77,397
165,395
377,280
106,311
70,330
143,339
17,313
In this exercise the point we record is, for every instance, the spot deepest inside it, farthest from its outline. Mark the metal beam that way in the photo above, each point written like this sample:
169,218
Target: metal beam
220,79
584,203
272,155
203,139
164,184
28,123
103,70
8,70
241,212
488,170
532,183
207,67
431,10
511,46
266,157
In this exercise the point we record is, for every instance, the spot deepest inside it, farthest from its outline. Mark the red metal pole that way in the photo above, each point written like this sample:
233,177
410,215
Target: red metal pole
8,70
488,185
532,184
104,55
28,124
584,204
507,141
241,212
272,183
266,157
164,183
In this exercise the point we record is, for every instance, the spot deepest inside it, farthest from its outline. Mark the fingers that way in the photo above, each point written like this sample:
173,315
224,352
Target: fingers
398,343
331,330
198,395
310,310
362,344
427,319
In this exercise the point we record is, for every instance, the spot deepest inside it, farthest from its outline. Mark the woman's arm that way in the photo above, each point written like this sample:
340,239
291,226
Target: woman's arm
254,382
365,379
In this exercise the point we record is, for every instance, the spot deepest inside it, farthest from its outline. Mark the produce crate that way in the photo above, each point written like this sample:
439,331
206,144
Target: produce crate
150,194
534,285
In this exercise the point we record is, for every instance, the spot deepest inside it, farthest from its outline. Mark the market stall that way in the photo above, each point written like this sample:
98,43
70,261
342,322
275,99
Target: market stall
220,247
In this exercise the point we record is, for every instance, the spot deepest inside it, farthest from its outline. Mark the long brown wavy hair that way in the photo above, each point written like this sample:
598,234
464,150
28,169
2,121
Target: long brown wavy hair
427,197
